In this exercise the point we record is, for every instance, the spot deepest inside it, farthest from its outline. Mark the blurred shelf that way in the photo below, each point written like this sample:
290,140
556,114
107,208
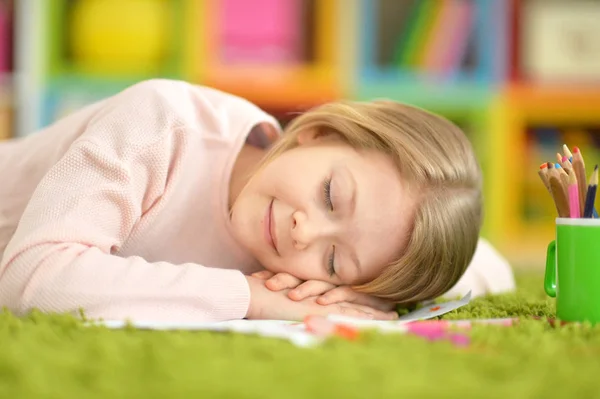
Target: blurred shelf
276,86
443,96
555,101
70,92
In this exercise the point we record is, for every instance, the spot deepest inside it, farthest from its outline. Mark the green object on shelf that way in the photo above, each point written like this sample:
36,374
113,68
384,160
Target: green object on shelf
421,20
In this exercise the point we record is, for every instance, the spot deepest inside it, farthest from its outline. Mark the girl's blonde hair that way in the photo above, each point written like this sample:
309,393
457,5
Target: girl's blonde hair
436,159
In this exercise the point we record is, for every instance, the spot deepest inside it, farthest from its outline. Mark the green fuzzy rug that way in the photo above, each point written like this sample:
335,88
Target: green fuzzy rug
56,357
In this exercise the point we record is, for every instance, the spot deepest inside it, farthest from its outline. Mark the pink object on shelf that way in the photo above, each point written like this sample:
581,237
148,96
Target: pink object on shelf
433,60
267,31
457,34
5,36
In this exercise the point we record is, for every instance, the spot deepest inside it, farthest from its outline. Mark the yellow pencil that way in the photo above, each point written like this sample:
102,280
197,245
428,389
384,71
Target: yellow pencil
567,152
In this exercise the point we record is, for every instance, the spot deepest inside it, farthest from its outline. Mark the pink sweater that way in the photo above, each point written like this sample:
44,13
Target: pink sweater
120,209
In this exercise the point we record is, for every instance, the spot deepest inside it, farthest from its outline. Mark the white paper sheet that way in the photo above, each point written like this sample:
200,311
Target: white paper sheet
294,332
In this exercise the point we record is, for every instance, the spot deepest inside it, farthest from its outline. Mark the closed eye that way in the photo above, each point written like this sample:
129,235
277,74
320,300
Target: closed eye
331,263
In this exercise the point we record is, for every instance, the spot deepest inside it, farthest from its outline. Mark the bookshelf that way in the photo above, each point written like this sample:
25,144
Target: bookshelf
481,63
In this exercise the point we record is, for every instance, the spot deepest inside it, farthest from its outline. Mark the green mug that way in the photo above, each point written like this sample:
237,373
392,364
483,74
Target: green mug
573,270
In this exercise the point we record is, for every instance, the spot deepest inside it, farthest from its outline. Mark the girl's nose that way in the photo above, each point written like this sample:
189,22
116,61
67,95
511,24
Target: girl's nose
305,231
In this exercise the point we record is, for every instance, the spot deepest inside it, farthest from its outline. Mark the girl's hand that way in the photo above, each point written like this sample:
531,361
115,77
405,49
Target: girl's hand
328,294
276,305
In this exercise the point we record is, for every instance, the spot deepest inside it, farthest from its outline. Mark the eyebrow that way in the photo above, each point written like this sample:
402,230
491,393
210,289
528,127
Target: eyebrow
353,189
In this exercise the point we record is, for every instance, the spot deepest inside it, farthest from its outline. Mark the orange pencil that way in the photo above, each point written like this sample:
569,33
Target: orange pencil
543,173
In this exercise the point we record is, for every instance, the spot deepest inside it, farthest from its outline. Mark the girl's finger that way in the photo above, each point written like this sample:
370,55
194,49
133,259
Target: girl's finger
282,281
310,288
337,295
263,274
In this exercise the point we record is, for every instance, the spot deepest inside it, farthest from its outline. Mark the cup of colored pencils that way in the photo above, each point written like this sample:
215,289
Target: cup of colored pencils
572,273
574,195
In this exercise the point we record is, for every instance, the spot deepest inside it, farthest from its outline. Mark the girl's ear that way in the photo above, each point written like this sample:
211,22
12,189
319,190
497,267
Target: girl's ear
313,136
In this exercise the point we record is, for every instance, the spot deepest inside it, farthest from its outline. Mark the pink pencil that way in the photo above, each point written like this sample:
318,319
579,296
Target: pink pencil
573,196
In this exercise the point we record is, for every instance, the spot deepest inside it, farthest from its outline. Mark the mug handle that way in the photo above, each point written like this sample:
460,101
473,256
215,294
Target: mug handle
550,275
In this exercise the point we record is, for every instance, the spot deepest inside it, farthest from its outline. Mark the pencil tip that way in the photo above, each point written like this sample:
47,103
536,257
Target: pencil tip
564,158
575,150
595,168
544,165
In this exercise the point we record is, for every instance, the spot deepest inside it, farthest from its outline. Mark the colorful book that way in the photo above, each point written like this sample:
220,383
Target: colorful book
458,36
432,56
261,31
417,20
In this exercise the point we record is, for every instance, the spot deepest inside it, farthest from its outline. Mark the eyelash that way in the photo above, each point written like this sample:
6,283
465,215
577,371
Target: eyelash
327,191
329,204
331,269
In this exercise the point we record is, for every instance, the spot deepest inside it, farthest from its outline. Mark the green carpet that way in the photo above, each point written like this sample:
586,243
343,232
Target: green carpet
56,357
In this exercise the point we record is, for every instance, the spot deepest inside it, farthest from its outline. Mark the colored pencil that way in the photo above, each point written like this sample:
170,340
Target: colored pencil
564,179
552,171
579,167
559,157
543,173
566,163
574,210
558,194
567,152
591,194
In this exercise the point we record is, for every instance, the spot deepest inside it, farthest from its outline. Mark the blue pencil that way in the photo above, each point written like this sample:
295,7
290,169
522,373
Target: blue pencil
590,198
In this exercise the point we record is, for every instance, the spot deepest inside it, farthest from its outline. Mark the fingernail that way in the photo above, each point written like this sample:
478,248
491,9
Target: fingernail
294,294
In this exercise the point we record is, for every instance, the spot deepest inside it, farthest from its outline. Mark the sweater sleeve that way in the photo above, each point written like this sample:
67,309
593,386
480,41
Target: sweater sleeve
62,256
